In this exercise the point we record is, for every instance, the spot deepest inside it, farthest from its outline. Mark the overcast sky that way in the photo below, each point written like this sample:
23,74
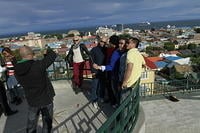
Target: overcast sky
33,15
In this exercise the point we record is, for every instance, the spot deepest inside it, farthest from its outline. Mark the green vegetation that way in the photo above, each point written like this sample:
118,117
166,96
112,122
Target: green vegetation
125,36
169,46
195,60
197,30
192,46
58,36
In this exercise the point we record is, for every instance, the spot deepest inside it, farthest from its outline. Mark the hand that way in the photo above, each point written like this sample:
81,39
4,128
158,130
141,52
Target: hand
95,66
93,75
124,85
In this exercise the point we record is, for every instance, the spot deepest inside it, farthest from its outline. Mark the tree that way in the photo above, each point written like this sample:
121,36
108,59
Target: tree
70,35
197,30
192,46
125,36
195,60
182,47
59,36
169,46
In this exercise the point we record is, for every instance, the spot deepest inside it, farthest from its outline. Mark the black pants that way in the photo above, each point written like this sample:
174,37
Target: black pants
109,86
3,98
33,116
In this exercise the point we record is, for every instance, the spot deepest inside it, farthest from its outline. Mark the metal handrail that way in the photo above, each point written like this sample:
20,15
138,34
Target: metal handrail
61,70
126,115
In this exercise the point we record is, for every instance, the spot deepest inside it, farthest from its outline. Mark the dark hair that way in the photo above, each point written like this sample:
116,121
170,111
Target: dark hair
8,50
135,40
114,39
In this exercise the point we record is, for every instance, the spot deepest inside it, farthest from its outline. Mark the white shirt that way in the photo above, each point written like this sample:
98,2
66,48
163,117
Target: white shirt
77,57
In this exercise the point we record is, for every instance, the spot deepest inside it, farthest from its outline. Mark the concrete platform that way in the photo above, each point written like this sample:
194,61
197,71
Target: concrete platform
73,113
165,116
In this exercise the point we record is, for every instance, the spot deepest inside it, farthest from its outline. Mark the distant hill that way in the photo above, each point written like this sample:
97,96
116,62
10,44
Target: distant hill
139,26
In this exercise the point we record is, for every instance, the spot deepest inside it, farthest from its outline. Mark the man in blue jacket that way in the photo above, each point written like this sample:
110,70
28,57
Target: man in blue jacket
39,91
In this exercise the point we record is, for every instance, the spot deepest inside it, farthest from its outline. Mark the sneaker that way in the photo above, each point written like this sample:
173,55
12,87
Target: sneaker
114,106
102,100
95,105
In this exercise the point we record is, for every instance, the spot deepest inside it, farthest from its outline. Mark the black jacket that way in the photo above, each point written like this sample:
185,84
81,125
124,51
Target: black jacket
84,53
98,56
33,77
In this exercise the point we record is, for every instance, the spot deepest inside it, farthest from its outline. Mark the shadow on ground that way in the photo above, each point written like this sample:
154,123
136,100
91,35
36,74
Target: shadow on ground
87,118
67,118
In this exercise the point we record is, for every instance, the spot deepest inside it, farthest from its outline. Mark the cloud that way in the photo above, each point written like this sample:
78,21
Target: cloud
48,11
23,15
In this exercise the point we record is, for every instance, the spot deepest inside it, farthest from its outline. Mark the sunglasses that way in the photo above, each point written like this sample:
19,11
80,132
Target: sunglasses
102,41
75,40
121,43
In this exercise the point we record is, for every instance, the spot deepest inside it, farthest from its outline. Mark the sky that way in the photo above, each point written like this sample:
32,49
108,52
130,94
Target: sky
37,15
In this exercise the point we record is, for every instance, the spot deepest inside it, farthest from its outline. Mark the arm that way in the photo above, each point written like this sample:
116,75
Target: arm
69,57
87,52
127,74
115,56
92,53
2,69
49,58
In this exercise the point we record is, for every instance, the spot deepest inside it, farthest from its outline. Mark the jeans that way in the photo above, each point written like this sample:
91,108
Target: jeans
124,94
95,89
33,116
98,89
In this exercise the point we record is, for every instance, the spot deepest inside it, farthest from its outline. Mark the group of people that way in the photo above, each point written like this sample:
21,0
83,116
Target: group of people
7,74
31,74
116,65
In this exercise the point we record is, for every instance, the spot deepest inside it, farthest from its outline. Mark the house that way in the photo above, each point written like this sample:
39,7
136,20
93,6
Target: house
196,51
155,63
148,78
185,52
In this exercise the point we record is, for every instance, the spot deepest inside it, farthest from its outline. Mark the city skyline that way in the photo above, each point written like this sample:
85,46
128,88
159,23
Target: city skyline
23,16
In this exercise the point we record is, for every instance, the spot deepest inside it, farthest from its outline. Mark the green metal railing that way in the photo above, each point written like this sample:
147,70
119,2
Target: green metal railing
169,87
125,117
60,70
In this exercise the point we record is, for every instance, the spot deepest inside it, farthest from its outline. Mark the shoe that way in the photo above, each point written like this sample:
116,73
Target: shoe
102,100
12,112
114,106
95,105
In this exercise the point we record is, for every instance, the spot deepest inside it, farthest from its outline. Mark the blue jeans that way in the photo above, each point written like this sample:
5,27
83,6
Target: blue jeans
124,94
98,89
33,116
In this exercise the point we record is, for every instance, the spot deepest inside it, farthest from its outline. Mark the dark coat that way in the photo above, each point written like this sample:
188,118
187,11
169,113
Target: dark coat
33,77
98,57
84,53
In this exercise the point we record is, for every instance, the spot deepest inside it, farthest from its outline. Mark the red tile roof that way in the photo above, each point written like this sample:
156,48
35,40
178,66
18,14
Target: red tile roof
155,59
150,63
